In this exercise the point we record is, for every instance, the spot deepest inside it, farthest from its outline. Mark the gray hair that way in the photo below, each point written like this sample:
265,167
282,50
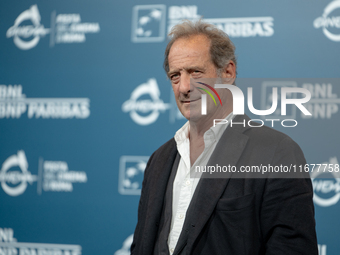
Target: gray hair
222,50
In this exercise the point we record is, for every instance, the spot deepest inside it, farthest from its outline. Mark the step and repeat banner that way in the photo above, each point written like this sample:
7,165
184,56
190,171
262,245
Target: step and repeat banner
84,102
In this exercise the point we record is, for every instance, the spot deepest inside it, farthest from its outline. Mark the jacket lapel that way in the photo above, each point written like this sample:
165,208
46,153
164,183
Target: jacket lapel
158,183
228,151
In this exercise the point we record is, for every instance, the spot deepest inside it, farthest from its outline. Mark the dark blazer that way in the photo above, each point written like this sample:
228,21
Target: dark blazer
234,215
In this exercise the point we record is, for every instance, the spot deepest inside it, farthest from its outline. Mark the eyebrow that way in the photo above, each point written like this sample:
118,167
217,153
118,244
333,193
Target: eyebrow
172,72
187,69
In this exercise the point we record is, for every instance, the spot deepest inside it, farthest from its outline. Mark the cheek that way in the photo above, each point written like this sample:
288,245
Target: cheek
175,89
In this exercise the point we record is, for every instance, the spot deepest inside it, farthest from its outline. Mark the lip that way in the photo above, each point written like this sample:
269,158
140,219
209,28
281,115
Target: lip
190,101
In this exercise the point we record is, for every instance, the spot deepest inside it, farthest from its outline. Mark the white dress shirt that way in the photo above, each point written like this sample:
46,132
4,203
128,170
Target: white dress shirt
185,185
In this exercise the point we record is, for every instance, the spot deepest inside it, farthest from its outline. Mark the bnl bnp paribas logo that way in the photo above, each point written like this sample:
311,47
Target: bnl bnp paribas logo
149,23
27,29
329,22
53,176
10,246
13,104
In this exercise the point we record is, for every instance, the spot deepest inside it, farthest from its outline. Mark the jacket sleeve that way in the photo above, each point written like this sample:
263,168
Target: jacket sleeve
287,212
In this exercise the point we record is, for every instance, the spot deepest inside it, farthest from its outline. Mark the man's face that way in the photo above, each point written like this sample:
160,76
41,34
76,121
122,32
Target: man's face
189,58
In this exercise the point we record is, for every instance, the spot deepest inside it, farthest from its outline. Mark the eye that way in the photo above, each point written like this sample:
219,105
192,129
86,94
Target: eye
174,77
196,74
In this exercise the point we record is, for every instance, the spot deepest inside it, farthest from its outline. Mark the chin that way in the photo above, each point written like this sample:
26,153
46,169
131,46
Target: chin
186,114
195,115
191,112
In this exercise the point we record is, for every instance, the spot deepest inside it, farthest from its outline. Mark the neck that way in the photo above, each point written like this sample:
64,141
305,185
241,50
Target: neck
199,127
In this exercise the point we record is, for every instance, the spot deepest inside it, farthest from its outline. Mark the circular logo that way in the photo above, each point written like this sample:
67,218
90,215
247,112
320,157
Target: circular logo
35,30
17,179
327,21
136,106
326,186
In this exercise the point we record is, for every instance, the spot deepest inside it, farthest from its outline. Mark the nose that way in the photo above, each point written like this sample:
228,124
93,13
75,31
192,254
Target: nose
185,85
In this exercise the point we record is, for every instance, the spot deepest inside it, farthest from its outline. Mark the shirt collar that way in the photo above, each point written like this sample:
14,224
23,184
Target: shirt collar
213,132
182,134
219,129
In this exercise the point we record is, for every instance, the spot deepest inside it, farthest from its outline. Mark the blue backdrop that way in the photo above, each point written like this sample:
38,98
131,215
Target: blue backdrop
84,102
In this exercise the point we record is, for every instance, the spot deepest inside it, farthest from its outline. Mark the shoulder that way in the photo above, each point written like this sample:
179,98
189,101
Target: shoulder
264,136
160,156
257,132
267,145
166,147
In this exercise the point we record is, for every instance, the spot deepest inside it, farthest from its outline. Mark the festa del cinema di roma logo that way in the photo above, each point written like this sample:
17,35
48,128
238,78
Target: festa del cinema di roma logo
34,31
53,176
326,184
328,22
65,28
145,104
17,179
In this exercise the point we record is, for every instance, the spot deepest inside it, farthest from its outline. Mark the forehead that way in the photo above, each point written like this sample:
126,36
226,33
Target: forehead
194,48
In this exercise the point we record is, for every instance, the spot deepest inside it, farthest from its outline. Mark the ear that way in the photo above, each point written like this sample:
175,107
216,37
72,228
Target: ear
229,71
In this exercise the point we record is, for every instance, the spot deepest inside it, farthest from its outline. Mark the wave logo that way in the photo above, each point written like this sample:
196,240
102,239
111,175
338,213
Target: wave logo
14,182
131,173
327,191
145,111
328,22
148,23
34,31
204,97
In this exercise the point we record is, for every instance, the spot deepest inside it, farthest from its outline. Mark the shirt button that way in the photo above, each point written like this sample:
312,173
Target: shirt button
181,216
187,183
172,250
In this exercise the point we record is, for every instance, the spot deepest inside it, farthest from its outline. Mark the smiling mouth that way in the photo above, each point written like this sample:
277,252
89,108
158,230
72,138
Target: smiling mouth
190,101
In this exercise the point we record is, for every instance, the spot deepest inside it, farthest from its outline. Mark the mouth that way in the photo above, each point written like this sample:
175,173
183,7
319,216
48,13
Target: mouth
190,101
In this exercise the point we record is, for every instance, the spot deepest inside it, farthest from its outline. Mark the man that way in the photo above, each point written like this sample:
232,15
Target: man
179,214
